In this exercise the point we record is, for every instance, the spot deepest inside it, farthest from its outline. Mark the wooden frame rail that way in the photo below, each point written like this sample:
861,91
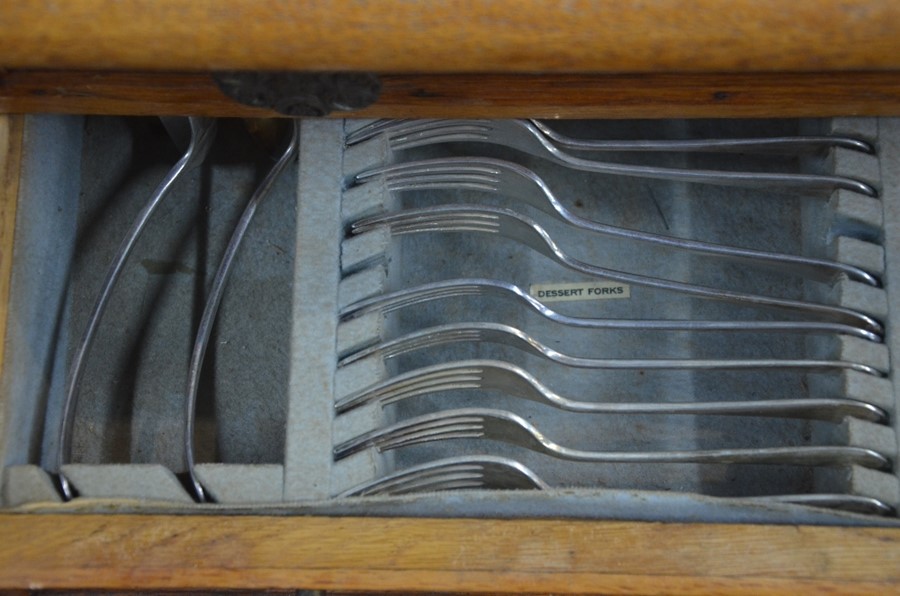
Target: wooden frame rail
450,36
454,58
503,95
115,552
463,58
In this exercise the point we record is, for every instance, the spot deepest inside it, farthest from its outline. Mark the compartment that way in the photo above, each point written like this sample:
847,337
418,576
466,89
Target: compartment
266,422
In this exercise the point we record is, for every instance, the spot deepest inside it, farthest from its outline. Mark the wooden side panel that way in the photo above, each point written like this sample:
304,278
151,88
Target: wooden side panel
11,130
482,96
453,35
244,552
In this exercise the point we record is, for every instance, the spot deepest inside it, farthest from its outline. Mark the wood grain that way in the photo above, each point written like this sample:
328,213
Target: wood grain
453,35
244,552
484,96
11,131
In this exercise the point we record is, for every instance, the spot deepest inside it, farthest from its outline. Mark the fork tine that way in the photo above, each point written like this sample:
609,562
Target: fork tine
397,300
391,393
440,483
372,129
409,432
398,440
467,471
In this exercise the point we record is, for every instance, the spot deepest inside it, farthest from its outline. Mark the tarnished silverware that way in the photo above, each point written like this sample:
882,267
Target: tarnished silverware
514,226
800,143
525,136
215,298
455,288
490,472
203,132
514,181
515,381
453,473
500,425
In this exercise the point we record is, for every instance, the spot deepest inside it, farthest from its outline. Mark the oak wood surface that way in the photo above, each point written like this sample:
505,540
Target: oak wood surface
453,35
487,95
637,46
11,131
244,552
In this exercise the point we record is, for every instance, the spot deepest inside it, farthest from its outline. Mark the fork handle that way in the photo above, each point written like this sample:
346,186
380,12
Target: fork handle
794,456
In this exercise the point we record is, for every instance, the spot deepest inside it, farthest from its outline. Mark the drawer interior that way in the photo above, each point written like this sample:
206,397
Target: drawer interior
290,342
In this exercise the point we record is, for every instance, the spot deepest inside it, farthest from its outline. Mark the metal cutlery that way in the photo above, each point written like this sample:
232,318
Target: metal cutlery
749,144
512,380
799,143
214,300
525,136
514,226
472,472
479,471
500,425
507,335
202,134
512,180
454,288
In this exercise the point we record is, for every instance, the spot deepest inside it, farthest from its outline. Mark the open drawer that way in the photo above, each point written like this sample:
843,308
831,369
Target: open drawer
308,355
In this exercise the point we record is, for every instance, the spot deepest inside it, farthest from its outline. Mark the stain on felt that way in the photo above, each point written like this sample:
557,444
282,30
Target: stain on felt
154,267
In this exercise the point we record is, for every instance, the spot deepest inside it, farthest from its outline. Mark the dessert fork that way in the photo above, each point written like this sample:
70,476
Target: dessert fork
511,336
491,472
743,145
524,136
212,306
467,471
515,181
496,375
750,144
202,134
514,226
500,425
453,288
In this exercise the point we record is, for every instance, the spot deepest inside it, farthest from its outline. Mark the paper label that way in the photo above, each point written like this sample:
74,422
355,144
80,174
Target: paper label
591,290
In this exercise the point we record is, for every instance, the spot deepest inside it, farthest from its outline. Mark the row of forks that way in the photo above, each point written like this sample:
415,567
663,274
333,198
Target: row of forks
202,133
515,181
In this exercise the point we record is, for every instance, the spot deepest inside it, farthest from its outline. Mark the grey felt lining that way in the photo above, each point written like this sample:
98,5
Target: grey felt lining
266,424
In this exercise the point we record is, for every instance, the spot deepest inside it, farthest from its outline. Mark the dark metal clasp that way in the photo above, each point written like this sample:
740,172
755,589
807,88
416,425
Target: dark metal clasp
301,93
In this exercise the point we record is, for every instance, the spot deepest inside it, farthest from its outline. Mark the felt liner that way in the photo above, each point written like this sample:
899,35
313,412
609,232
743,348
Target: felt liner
266,423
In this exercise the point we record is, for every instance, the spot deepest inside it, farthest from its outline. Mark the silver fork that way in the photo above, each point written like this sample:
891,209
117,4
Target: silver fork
211,308
467,471
500,425
750,144
511,336
453,288
525,136
496,375
514,226
491,472
203,132
515,181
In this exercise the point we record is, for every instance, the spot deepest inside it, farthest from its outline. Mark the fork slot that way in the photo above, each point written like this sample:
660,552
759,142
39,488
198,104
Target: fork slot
414,314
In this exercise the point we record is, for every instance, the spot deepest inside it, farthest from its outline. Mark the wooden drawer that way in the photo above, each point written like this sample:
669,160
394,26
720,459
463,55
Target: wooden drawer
761,71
